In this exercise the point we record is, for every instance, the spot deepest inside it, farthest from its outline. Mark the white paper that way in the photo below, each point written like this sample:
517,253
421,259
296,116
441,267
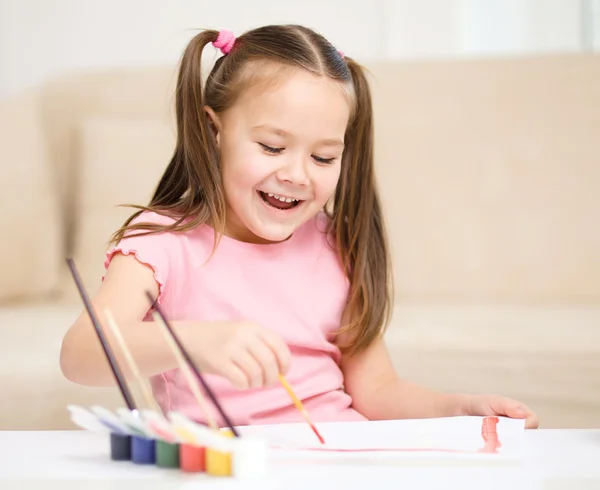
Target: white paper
453,437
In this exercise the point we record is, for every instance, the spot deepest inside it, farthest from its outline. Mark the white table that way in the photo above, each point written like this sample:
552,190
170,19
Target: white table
568,459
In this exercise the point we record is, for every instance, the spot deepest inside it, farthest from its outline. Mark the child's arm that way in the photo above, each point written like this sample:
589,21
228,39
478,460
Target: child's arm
82,359
244,353
379,393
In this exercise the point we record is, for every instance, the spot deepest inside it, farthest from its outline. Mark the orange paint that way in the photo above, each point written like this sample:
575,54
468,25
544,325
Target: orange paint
192,459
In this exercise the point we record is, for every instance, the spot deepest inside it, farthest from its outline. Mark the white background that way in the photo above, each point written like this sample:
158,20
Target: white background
40,39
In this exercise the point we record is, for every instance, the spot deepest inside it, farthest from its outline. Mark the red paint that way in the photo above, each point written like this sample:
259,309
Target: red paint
489,433
380,450
192,459
317,433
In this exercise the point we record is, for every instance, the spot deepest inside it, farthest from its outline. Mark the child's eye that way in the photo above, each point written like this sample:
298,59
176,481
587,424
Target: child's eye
323,160
277,151
270,149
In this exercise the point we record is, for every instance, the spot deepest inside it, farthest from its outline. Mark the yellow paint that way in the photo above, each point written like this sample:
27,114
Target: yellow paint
219,463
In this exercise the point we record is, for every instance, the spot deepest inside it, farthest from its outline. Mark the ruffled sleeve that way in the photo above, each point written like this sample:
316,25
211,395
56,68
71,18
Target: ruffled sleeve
150,250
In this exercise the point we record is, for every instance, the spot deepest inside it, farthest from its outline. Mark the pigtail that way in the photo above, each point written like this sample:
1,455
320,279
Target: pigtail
359,227
190,189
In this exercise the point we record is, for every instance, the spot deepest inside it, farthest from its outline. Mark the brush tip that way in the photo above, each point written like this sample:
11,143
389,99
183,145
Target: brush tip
319,436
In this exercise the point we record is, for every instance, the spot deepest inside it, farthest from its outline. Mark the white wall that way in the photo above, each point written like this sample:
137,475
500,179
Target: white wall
46,38
520,26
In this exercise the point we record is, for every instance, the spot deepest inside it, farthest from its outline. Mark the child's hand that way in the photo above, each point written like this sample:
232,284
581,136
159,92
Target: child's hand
483,405
248,355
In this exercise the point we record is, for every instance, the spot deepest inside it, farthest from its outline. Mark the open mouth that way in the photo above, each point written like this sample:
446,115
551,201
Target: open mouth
279,202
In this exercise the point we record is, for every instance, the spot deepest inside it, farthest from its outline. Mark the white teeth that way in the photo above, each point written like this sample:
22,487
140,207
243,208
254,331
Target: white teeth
282,199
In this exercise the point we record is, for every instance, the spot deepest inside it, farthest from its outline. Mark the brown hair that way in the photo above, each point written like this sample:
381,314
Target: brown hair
191,191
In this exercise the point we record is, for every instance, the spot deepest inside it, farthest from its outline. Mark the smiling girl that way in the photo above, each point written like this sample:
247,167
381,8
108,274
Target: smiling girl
264,244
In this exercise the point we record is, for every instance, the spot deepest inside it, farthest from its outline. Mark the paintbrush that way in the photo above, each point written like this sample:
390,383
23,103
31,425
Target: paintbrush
114,366
185,369
158,315
300,407
146,391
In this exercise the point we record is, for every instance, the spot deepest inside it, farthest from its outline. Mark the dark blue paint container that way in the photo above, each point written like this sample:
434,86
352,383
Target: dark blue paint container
143,450
120,447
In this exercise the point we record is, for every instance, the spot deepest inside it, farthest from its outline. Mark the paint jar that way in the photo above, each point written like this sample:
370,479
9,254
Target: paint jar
249,458
143,450
218,463
120,447
167,454
192,459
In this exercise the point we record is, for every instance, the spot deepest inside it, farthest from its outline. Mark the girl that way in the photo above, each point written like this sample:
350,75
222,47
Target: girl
264,244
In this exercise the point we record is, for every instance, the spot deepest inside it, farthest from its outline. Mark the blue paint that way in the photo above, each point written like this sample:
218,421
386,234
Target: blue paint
143,450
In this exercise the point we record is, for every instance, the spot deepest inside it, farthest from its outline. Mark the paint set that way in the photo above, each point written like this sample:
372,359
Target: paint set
147,437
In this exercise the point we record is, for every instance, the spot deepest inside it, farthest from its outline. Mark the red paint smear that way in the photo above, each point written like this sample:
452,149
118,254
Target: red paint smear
317,433
489,433
379,450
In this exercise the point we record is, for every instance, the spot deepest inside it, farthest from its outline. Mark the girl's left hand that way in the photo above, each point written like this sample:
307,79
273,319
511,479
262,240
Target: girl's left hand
483,405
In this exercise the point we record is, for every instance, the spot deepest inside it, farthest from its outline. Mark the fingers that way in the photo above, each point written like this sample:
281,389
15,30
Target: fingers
251,368
254,358
516,410
531,419
236,376
519,411
267,361
261,362
279,348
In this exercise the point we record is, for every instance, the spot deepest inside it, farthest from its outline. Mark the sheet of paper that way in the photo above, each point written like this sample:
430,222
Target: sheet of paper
464,437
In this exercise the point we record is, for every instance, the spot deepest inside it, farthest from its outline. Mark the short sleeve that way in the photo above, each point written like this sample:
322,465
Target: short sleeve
151,250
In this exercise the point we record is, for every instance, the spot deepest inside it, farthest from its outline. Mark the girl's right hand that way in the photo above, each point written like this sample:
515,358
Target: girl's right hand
246,354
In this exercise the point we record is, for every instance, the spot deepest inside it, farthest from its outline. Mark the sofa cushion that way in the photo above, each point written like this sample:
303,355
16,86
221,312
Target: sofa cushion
546,357
120,161
35,393
70,100
32,231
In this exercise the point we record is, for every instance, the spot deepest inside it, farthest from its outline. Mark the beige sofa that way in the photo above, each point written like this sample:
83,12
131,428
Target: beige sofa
490,177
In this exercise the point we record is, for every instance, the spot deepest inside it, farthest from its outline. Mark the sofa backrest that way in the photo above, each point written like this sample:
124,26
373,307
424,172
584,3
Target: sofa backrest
490,174
489,170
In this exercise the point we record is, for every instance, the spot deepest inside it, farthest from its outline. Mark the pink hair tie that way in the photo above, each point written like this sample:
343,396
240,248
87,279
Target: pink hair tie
225,41
340,53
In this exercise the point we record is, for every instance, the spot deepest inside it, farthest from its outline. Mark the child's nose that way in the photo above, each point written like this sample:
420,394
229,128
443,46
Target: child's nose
294,171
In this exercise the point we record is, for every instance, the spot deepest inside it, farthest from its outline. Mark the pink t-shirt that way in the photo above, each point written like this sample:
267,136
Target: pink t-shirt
296,288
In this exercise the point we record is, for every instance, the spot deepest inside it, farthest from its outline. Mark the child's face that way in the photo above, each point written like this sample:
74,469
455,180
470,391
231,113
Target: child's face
284,139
